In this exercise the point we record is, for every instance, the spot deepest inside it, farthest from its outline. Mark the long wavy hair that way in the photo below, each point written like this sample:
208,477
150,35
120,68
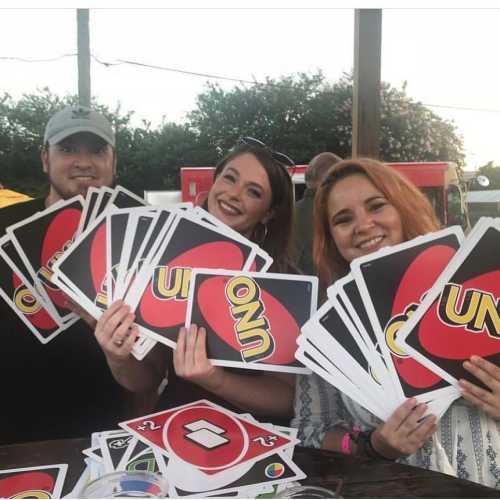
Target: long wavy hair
276,236
415,210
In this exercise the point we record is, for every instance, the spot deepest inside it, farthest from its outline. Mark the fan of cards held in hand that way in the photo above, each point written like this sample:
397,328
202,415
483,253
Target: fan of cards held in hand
173,266
201,449
405,319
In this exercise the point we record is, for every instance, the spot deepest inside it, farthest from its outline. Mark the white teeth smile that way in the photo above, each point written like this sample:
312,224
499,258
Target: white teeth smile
228,208
371,242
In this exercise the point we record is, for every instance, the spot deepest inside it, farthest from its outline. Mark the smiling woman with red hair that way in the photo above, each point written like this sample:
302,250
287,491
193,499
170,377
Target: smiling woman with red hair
360,207
414,209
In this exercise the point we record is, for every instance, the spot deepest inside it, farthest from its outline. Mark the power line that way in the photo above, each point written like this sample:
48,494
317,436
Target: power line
462,108
215,77
22,59
193,73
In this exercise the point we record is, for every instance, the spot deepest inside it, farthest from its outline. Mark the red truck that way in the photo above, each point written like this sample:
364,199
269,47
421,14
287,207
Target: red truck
438,180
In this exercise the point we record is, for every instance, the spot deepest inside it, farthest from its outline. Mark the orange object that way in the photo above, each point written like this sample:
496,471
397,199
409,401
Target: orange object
8,197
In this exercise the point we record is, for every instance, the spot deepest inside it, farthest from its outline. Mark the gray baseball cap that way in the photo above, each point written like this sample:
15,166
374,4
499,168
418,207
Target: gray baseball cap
74,119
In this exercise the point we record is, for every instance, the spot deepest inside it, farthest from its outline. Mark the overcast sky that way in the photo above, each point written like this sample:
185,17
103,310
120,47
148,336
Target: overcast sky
448,57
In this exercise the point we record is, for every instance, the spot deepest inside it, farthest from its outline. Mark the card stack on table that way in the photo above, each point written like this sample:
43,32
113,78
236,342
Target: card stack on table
404,320
112,245
202,449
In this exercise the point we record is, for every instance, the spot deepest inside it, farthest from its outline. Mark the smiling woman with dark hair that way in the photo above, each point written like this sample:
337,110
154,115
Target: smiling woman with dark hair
360,207
253,194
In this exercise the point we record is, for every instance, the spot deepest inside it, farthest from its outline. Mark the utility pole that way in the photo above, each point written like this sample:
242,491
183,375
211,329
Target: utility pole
366,83
82,21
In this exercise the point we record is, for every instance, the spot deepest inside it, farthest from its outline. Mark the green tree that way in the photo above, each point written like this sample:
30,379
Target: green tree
492,172
147,158
302,115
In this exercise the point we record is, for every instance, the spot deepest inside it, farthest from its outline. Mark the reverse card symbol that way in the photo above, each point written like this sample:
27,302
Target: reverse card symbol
266,441
205,434
117,444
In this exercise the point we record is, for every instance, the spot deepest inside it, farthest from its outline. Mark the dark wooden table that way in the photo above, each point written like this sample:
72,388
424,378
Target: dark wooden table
361,478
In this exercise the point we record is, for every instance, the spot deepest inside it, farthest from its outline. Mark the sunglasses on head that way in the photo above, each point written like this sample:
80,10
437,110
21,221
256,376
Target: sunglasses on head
280,157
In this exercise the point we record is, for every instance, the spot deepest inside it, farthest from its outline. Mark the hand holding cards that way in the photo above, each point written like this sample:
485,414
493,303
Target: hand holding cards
389,329
117,247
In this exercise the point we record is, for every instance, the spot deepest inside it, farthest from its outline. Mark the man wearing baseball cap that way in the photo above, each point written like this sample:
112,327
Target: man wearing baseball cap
64,388
78,152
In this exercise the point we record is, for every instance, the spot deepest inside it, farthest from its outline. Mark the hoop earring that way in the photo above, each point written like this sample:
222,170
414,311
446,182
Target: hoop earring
260,238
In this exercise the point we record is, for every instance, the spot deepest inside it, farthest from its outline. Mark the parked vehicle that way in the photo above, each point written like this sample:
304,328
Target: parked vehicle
438,180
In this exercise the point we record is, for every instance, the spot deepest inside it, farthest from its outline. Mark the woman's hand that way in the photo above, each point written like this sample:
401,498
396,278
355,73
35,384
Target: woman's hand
191,362
402,434
116,332
489,374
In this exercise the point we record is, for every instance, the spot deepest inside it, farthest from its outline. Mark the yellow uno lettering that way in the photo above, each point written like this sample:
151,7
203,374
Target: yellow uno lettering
171,283
25,301
449,302
251,327
488,316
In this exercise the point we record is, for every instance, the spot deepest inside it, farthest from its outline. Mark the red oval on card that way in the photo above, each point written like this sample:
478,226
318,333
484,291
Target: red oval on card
162,312
416,281
98,258
206,437
216,310
60,231
26,482
457,343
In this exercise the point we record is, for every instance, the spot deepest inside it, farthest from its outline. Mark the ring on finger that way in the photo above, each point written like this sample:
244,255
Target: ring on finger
118,342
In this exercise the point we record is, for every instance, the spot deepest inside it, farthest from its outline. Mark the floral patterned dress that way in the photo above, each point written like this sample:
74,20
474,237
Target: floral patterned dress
466,443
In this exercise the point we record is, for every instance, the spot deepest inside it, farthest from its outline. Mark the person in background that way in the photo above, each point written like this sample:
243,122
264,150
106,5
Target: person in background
362,206
64,388
252,193
303,234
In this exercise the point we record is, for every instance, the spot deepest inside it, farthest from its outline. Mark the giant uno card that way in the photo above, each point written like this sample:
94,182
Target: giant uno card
252,319
41,239
22,297
84,267
393,282
208,437
33,482
274,469
334,335
460,315
160,291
